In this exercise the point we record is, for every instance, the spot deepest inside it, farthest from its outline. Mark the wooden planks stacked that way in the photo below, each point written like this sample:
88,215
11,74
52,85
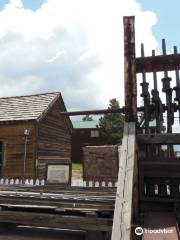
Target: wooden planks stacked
100,163
76,209
127,177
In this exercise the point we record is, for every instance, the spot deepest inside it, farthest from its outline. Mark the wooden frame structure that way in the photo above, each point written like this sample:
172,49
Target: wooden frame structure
147,175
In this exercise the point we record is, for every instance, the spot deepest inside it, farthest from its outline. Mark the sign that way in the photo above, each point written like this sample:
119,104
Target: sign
58,174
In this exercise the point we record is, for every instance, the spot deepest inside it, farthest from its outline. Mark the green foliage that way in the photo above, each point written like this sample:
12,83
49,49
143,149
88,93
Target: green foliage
87,118
111,125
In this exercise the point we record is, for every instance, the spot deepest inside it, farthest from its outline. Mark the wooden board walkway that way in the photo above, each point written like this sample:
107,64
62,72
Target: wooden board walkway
160,226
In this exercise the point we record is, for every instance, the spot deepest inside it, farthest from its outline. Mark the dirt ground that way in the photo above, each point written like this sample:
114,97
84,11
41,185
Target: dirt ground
22,233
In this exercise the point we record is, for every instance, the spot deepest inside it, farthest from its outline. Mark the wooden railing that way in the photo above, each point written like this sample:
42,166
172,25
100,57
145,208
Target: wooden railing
159,167
127,180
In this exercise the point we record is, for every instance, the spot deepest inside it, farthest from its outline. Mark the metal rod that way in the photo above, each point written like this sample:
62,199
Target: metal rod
24,160
157,101
177,88
164,53
145,95
168,91
142,55
154,73
177,70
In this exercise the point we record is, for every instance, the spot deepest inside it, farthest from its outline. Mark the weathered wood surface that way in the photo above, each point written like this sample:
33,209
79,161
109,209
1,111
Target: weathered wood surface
66,201
49,138
76,209
160,226
54,139
13,150
100,163
124,196
164,138
129,70
59,189
28,233
22,108
56,220
158,63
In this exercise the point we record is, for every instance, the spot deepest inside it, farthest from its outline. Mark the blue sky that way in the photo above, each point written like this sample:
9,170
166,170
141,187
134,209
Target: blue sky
30,4
76,46
168,14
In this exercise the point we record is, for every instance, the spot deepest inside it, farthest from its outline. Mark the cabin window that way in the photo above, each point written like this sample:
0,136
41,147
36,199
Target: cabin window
94,133
1,153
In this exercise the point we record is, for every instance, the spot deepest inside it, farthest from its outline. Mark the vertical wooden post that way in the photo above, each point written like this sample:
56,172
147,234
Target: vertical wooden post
129,70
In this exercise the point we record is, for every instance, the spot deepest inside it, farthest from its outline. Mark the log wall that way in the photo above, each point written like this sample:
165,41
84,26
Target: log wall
54,139
12,136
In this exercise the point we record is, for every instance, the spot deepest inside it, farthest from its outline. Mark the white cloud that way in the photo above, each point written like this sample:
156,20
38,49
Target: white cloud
72,46
16,3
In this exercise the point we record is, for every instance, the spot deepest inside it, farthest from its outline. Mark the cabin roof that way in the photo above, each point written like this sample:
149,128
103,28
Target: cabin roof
32,107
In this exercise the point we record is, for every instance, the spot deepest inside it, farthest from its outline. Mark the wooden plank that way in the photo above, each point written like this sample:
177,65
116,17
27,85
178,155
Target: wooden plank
128,188
158,63
123,206
165,138
160,226
15,203
117,221
56,221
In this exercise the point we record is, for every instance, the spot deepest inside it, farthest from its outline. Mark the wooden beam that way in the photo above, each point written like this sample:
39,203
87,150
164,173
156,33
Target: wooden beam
56,221
158,63
164,138
94,112
129,70
124,197
100,111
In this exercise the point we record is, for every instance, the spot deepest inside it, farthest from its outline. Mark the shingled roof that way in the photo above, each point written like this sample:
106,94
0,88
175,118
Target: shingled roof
26,107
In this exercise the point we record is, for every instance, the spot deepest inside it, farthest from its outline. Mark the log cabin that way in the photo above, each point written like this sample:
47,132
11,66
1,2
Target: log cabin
85,133
49,139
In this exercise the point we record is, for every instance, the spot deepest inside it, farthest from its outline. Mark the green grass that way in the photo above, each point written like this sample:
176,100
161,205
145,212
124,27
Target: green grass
77,170
77,166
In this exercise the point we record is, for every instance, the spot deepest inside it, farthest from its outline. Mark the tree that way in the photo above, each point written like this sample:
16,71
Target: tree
111,125
87,118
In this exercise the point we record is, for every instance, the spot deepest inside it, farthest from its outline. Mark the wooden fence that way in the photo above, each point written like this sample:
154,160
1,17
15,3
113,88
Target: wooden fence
42,182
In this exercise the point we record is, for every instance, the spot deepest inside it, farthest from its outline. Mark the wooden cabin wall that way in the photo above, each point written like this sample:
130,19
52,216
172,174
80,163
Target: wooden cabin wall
12,136
54,139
